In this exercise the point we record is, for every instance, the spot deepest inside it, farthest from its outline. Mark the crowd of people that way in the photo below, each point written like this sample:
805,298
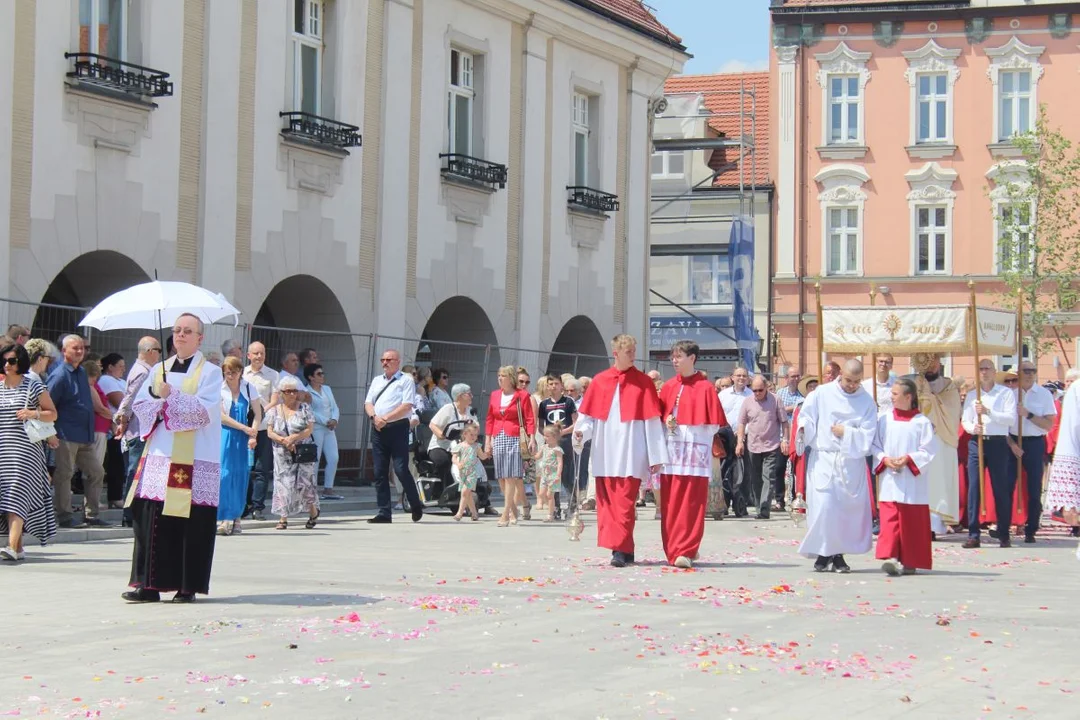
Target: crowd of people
189,446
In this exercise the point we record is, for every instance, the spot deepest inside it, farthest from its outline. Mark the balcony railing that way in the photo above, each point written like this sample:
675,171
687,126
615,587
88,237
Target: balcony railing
589,199
118,75
323,131
473,169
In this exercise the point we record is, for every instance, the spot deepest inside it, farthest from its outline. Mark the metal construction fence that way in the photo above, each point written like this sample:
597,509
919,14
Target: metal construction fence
349,361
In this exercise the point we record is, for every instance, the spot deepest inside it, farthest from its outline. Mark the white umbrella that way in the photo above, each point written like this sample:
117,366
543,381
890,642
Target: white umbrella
157,305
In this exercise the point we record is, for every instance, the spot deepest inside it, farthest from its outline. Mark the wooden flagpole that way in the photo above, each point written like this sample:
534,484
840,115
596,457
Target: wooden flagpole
873,356
978,379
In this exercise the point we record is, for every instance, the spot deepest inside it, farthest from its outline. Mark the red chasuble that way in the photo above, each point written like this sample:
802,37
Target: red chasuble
637,395
696,398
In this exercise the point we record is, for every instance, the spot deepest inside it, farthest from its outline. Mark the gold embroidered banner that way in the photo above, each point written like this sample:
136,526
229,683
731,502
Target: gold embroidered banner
924,328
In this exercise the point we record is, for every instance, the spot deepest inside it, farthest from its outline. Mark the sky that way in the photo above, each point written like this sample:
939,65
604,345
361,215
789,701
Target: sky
722,35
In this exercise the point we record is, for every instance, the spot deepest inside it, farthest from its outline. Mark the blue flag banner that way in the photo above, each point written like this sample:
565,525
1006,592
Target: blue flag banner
741,252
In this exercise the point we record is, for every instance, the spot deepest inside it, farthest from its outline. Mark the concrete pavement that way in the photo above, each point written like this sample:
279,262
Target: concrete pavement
467,620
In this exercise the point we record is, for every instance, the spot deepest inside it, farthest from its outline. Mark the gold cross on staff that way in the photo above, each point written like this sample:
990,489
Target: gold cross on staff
180,477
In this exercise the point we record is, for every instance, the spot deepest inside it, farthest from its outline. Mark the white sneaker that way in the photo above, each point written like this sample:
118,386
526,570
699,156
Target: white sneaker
10,555
683,562
893,567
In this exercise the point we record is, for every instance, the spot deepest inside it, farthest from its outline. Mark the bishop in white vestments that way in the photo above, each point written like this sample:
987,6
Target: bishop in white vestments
839,421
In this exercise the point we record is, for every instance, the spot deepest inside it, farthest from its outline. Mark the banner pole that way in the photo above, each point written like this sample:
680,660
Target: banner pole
974,325
820,333
1020,389
873,355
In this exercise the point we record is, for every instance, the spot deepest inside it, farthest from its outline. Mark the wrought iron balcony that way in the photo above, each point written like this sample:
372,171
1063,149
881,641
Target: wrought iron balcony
473,169
118,75
320,130
594,200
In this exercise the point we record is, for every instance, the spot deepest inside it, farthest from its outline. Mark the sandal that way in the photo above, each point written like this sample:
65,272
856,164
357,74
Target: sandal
502,522
283,524
310,524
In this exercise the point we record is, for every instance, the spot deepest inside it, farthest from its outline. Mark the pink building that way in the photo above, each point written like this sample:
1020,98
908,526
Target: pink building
891,141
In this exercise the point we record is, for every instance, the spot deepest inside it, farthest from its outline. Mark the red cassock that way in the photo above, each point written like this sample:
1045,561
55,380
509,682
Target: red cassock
797,461
619,476
684,482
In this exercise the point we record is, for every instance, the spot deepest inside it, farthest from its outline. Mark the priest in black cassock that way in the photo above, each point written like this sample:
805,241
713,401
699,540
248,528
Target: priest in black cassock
174,496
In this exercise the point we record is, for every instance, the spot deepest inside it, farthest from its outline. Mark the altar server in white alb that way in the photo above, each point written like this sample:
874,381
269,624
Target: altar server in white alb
904,451
839,421
620,413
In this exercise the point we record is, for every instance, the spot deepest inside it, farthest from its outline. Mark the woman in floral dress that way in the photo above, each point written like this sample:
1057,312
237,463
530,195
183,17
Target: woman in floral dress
289,425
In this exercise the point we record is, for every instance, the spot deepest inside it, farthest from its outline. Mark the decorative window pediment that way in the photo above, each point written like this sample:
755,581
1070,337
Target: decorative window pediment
932,58
842,183
1006,173
1015,55
842,217
931,183
842,60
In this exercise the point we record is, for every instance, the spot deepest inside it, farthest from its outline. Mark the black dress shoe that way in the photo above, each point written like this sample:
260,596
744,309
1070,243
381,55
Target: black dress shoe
417,513
140,595
618,559
1029,539
971,543
629,558
995,534
490,511
839,565
1005,541
185,598
762,516
380,519
822,563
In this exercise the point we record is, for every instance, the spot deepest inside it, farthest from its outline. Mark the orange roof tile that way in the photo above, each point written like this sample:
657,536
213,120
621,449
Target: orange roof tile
633,13
721,97
841,3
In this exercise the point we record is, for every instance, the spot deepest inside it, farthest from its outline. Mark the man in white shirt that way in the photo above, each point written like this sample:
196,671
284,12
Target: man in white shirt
290,367
884,381
736,470
265,380
1037,417
991,417
389,405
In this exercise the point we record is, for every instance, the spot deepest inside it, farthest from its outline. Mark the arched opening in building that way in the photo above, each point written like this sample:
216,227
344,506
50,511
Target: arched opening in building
579,349
459,338
84,282
302,312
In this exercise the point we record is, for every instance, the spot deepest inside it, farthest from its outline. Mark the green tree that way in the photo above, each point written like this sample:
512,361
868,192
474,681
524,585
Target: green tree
1036,203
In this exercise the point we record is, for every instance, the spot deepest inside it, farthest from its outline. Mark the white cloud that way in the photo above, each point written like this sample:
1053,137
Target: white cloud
741,66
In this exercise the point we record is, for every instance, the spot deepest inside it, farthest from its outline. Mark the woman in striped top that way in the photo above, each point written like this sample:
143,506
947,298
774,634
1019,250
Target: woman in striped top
26,499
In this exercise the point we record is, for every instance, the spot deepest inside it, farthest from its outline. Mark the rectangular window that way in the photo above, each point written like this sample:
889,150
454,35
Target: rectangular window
581,133
933,107
931,237
843,109
462,97
843,234
705,281
103,28
664,164
1014,103
307,55
1015,248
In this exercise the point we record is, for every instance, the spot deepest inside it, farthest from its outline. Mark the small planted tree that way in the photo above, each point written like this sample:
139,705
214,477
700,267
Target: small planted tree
1036,205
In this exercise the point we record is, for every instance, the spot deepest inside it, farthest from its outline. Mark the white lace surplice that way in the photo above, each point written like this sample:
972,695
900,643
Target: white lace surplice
690,451
201,413
623,449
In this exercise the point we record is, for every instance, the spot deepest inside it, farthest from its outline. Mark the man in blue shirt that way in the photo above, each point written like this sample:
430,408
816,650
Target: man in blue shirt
389,405
70,390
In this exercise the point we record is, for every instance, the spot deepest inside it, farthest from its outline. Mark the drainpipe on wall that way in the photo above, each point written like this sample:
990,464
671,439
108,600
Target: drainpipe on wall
800,104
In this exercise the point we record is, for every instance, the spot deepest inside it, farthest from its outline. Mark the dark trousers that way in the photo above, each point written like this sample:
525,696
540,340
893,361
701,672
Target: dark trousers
736,472
391,444
996,458
264,471
762,475
115,470
132,456
1034,464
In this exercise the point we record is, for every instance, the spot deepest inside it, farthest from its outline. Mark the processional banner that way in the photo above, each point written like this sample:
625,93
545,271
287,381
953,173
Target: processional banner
924,328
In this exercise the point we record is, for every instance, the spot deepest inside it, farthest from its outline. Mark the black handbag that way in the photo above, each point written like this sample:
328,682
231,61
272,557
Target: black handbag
305,454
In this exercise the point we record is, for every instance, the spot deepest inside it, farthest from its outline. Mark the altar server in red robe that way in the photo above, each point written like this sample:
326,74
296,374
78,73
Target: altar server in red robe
903,451
692,414
620,413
